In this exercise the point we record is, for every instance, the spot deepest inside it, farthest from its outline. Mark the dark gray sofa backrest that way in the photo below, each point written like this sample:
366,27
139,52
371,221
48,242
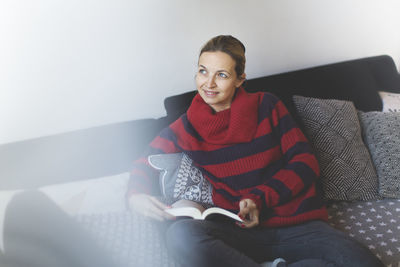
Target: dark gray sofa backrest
355,80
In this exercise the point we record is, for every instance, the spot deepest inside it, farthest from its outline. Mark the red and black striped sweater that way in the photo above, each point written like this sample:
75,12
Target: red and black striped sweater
251,150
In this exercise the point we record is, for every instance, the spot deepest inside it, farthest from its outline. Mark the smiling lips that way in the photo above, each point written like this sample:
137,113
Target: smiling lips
210,93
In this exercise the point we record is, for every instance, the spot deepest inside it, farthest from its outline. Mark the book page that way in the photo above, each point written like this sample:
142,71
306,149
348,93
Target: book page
185,212
216,210
185,207
195,210
187,203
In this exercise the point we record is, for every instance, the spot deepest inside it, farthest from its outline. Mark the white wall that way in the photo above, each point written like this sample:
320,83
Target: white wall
68,65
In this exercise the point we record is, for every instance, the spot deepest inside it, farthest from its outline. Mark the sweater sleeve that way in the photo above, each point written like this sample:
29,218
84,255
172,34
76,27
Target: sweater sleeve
299,169
143,177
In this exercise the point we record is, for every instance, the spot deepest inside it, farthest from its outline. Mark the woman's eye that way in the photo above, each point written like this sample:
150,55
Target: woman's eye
202,71
223,75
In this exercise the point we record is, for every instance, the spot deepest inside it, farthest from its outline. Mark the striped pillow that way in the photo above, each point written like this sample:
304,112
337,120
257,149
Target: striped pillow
333,128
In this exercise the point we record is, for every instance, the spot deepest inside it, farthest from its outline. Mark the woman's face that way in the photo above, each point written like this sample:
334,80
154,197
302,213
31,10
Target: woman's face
216,79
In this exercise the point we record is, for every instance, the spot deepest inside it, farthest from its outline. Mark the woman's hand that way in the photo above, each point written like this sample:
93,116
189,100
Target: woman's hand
149,206
249,213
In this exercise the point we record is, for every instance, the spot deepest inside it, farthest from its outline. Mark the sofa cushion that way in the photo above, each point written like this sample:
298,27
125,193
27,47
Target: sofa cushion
130,239
390,101
375,224
181,179
333,128
381,131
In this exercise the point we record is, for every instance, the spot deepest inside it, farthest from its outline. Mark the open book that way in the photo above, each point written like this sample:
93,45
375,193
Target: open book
193,209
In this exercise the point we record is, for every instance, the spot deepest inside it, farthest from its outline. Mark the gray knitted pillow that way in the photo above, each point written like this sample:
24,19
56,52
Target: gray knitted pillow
381,131
333,128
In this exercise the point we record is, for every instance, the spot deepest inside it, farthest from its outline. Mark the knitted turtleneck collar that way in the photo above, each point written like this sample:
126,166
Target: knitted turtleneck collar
238,124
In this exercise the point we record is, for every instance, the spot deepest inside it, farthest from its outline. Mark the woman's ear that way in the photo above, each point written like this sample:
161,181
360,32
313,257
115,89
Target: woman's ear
240,80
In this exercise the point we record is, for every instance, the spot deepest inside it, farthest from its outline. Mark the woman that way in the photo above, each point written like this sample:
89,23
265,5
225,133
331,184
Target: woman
260,166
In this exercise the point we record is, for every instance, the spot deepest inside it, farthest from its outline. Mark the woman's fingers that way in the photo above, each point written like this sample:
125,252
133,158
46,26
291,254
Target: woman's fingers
159,210
243,204
149,206
244,210
161,207
253,219
243,213
246,206
158,203
251,222
249,213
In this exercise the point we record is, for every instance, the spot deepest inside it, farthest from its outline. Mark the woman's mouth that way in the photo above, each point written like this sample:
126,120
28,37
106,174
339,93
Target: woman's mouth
210,93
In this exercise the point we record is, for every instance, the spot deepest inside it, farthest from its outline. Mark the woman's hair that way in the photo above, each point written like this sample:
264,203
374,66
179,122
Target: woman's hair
229,45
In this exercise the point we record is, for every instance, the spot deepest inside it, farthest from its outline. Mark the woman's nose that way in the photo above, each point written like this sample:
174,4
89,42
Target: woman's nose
211,81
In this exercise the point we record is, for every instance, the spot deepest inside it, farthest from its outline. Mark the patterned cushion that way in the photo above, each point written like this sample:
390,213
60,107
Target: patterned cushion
376,224
381,131
390,101
131,239
332,126
180,179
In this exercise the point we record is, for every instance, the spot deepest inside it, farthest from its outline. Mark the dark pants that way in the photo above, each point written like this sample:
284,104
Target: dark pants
209,243
39,234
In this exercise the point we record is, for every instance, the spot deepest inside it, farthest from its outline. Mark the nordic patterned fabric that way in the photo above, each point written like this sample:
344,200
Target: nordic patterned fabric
333,128
180,179
381,131
376,224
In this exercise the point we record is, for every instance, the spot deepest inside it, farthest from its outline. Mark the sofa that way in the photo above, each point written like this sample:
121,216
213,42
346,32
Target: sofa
348,111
